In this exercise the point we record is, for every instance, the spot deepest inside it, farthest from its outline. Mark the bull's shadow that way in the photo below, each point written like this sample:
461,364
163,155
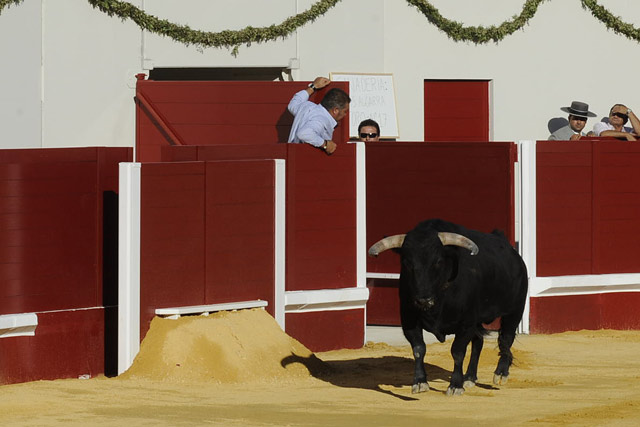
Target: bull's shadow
367,373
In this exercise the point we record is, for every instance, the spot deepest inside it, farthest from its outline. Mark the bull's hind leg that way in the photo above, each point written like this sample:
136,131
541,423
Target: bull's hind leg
505,340
471,377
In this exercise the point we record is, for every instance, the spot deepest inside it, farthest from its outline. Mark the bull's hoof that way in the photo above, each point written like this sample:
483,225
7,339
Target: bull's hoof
500,379
468,384
420,388
454,391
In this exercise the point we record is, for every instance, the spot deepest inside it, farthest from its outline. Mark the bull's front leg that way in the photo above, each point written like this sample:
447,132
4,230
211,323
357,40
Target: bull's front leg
458,351
419,349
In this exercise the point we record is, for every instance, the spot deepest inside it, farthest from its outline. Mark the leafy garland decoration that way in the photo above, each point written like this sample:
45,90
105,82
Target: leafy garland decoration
233,39
459,32
226,38
611,21
7,3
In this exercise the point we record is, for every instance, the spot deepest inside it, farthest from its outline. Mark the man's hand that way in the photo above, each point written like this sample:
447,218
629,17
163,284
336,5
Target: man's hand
575,137
321,82
329,147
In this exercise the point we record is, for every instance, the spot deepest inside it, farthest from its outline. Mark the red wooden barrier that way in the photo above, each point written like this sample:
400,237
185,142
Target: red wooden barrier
207,234
468,183
588,214
58,253
321,208
320,231
588,204
216,112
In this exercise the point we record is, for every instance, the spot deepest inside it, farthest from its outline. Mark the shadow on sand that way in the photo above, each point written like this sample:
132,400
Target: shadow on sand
370,373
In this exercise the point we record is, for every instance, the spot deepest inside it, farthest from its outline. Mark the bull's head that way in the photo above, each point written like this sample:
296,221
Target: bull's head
428,266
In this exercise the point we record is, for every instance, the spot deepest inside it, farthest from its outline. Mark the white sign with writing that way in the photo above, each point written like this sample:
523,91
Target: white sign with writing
372,97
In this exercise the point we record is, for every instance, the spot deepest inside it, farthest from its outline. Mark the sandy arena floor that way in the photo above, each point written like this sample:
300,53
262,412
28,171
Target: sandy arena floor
240,369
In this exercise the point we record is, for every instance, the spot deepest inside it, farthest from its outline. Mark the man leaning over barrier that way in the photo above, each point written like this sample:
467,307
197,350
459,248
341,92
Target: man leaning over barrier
618,117
314,123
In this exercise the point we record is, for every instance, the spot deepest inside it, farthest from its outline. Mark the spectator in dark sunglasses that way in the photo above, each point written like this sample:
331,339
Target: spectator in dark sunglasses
619,115
369,130
578,114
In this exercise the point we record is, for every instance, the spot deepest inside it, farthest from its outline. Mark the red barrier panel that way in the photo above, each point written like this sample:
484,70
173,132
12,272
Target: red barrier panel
467,183
51,227
216,112
320,230
321,208
58,254
587,207
207,234
554,314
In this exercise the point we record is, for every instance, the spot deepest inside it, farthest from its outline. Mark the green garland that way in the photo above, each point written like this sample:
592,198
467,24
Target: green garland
611,21
7,3
226,38
458,32
233,39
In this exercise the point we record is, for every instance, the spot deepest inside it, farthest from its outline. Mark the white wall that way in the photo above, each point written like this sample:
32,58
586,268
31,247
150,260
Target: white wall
20,49
82,94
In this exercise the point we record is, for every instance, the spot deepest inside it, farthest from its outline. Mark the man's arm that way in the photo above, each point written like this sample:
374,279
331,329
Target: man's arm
310,132
298,101
616,134
634,121
300,97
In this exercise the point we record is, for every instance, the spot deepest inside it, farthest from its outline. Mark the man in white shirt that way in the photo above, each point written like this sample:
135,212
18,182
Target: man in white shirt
314,123
618,117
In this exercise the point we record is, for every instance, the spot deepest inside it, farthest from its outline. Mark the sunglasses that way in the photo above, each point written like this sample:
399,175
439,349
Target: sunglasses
621,115
579,119
370,135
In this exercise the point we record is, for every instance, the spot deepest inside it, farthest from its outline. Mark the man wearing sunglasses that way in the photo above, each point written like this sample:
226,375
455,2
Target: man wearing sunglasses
314,123
618,117
578,114
369,130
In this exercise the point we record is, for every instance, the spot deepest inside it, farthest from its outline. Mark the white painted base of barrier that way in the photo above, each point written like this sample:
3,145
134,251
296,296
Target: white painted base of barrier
18,325
326,300
175,312
584,285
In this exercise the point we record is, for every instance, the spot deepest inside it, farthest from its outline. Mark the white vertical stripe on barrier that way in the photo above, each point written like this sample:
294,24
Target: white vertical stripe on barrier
361,216
528,242
361,225
280,240
128,264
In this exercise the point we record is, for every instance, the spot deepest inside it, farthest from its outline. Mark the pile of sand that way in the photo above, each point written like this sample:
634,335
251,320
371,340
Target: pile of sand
225,347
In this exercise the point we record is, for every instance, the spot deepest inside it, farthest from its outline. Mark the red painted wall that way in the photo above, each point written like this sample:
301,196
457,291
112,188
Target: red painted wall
467,183
456,110
207,234
327,330
555,314
217,112
321,226
587,207
321,208
58,251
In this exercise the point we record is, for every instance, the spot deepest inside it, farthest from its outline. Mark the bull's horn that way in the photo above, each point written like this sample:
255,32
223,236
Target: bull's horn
386,243
458,240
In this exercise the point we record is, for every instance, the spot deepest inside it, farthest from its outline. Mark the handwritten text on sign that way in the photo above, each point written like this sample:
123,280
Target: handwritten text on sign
372,97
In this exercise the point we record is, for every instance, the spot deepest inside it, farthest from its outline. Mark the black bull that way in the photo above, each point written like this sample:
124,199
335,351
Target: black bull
458,281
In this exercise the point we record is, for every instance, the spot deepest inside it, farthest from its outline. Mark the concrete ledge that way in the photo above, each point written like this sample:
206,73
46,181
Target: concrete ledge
326,299
201,309
18,325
